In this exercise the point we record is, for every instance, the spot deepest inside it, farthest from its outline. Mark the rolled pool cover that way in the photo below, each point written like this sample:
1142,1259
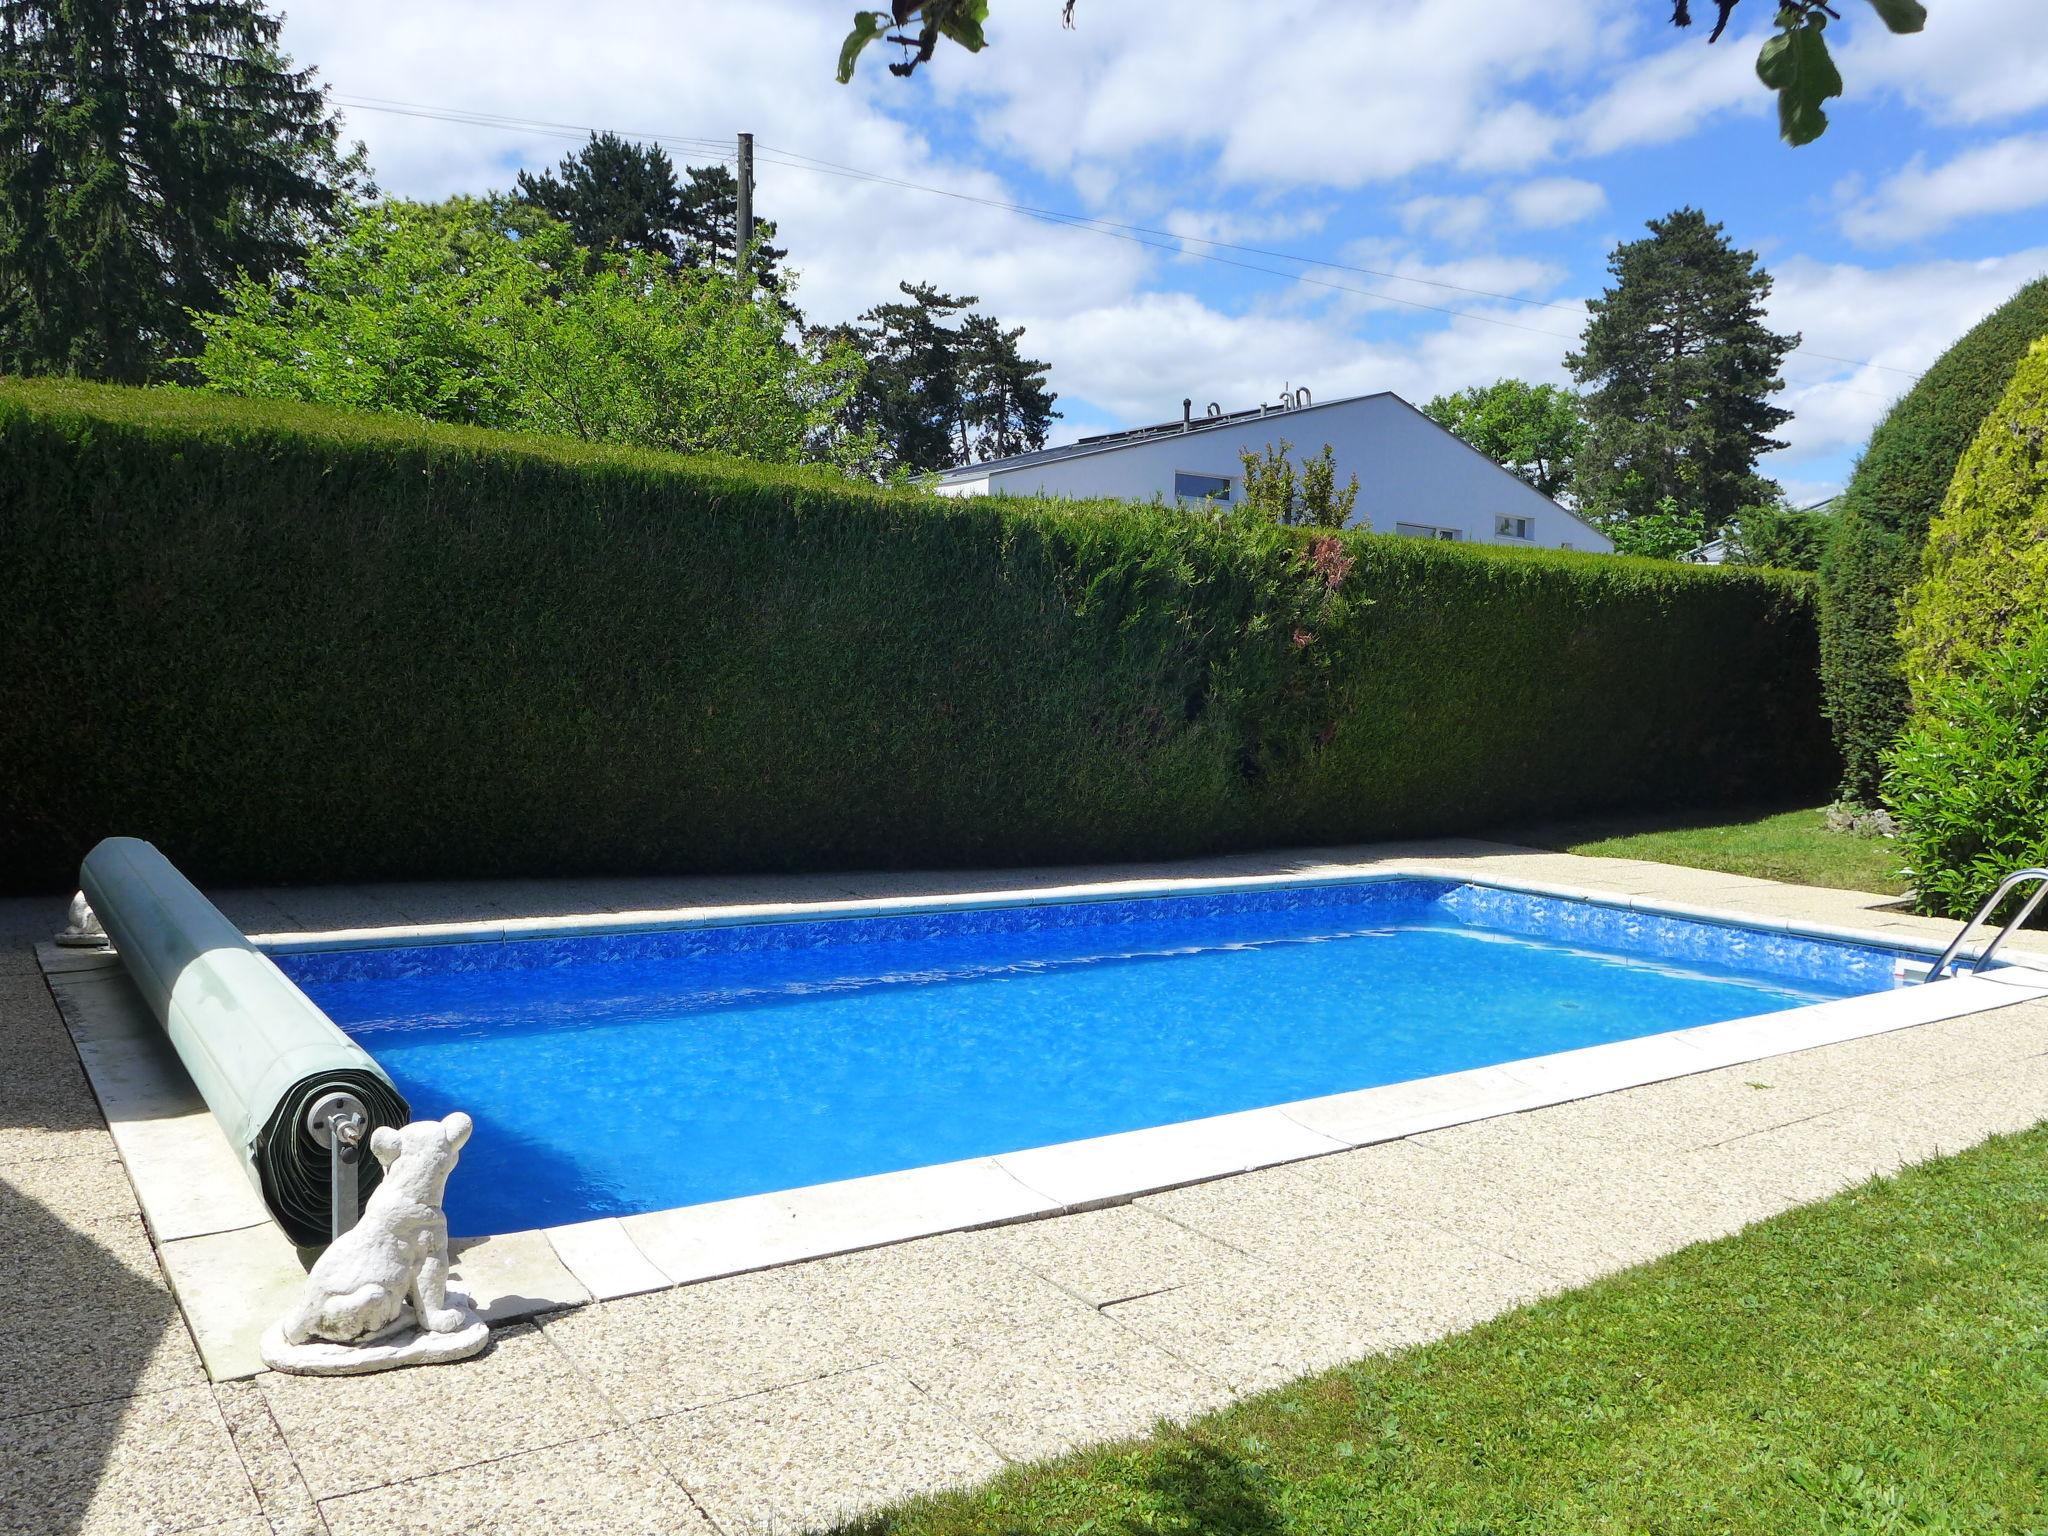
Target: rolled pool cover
259,1051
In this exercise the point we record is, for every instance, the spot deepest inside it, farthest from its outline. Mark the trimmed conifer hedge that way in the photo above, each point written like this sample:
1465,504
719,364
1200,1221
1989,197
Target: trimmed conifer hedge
1969,776
297,645
1881,526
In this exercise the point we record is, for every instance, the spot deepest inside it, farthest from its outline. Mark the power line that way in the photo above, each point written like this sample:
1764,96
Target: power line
1170,241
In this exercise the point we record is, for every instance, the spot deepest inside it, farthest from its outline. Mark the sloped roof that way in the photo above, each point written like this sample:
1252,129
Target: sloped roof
1102,442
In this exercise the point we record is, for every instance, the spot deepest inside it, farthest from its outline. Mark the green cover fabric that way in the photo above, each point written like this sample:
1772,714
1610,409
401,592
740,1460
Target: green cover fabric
259,1051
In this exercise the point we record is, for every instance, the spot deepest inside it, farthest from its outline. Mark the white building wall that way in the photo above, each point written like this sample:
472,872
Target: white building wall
1409,470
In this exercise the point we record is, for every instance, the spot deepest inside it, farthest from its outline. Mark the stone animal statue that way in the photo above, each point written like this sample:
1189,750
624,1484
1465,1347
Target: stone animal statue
390,1271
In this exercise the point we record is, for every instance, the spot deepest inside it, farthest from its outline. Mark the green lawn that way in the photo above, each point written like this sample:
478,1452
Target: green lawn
1875,1363
1773,845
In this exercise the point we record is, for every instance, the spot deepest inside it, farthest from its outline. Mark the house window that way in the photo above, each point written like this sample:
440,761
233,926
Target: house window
1426,531
1188,487
1515,527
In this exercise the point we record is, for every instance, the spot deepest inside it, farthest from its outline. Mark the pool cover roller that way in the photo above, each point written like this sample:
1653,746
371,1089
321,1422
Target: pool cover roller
259,1051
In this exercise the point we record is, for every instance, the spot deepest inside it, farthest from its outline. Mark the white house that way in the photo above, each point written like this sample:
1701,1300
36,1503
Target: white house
1413,476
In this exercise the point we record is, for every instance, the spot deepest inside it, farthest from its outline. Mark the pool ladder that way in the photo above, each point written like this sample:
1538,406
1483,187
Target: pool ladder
2006,887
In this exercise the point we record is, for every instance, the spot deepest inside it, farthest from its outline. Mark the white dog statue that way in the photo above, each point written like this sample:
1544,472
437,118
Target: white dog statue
378,1297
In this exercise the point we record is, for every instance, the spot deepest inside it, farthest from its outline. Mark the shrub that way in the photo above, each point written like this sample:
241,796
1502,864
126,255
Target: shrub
1780,536
295,644
1984,575
1882,523
485,313
1969,777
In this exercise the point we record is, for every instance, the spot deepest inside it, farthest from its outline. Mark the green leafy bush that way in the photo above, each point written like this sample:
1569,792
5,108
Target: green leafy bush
486,313
1969,777
1882,523
1984,575
292,644
1782,537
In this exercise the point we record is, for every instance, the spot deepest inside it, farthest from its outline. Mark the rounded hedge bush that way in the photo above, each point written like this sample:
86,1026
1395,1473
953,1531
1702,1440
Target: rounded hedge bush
1882,523
1969,777
1984,575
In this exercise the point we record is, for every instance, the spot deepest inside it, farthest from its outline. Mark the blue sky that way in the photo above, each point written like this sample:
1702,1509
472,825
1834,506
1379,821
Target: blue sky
1447,145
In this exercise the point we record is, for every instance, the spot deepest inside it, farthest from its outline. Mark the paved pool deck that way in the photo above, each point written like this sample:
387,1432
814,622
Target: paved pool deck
792,1396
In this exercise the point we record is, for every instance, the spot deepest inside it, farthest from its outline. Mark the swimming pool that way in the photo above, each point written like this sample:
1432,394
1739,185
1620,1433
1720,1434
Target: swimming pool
625,1072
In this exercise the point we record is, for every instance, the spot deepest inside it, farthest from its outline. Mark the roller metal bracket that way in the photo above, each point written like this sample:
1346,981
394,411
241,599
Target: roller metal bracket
338,1122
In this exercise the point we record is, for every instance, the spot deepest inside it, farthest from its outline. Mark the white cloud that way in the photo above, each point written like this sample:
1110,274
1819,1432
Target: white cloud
1670,94
1554,201
1549,202
1456,219
2005,176
1304,92
1899,319
1978,60
1398,278
1205,227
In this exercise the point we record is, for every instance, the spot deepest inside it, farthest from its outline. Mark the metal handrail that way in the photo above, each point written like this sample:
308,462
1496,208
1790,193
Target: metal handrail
2005,888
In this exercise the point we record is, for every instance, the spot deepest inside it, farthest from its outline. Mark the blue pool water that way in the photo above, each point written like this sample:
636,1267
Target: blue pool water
620,1073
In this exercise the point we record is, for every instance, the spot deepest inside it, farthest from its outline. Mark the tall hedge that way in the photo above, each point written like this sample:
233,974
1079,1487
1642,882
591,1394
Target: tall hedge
1984,574
1882,523
295,645
1969,777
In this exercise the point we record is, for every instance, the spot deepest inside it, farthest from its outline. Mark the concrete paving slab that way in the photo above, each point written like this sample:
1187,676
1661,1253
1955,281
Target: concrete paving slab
1644,1212
1259,1336
85,1193
698,1344
514,1276
1056,1388
1971,1108
604,1260
729,1237
807,1456
1369,1115
1079,1173
286,1502
185,1174
1113,1254
1254,1212
604,1486
1491,1204
349,1433
1417,1279
928,1295
87,1316
147,1465
2007,1034
318,907
46,1108
232,1286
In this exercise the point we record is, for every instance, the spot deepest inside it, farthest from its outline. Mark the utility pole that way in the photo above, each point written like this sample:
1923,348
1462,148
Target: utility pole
745,222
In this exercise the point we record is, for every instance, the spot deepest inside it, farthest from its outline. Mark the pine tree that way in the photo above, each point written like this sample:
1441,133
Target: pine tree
149,151
910,395
710,223
1005,407
617,195
614,196
940,391
1681,368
